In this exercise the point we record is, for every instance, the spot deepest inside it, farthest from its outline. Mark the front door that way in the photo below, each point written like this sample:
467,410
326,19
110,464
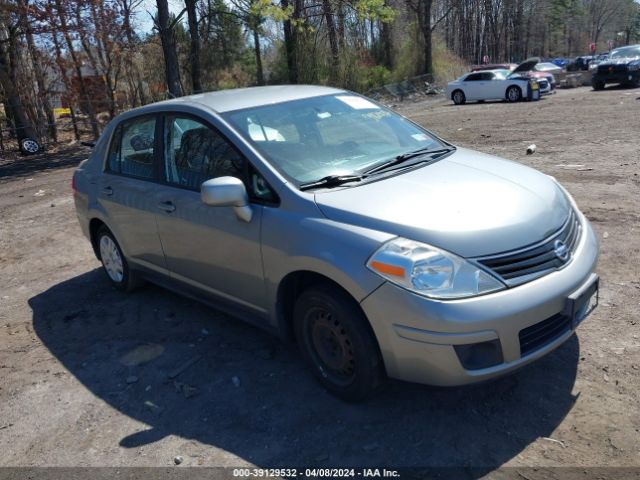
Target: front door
207,247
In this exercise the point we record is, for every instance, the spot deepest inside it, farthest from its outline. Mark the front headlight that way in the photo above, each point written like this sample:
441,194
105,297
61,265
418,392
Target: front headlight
430,271
634,66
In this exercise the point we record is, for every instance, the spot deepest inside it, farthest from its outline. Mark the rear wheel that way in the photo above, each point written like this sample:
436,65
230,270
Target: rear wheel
337,342
514,94
114,262
458,97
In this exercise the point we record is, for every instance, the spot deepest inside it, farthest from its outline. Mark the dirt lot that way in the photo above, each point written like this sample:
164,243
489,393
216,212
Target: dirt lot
85,370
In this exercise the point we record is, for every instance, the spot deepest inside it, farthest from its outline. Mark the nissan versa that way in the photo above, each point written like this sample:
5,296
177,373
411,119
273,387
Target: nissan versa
325,217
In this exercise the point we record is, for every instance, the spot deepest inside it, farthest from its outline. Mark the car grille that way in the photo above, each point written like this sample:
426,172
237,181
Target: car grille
537,336
605,69
544,84
520,266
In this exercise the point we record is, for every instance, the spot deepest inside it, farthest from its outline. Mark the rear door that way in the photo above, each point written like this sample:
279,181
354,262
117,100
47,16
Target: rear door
207,247
127,190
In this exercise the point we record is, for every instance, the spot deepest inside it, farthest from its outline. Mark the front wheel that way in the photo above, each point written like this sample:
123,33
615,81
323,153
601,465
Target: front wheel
337,342
598,85
114,262
514,94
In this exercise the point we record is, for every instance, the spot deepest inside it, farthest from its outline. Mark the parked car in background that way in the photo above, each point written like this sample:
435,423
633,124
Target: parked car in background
500,84
601,57
622,66
580,63
545,77
320,215
546,80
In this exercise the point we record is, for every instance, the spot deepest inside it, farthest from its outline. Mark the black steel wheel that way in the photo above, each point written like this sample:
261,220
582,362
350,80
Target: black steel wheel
337,342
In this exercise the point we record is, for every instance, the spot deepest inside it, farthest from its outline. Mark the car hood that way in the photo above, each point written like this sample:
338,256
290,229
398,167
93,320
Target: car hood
618,61
469,203
527,65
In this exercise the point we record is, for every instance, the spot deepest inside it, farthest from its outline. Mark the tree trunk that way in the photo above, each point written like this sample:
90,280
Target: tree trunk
172,69
256,46
385,38
194,46
428,37
37,70
290,45
333,41
23,126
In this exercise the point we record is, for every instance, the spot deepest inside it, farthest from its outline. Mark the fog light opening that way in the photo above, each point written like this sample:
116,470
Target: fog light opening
475,356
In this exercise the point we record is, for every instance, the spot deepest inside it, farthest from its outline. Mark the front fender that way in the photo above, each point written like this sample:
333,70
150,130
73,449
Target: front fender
292,242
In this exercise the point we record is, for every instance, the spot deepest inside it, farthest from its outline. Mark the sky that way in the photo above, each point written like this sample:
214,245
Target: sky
144,23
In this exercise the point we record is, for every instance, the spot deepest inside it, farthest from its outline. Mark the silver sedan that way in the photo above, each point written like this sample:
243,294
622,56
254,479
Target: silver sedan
326,218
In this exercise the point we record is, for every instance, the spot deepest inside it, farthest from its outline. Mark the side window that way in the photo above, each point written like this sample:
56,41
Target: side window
487,76
195,153
132,148
473,77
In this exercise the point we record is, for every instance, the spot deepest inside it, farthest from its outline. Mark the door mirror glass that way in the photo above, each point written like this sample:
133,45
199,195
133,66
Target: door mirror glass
227,192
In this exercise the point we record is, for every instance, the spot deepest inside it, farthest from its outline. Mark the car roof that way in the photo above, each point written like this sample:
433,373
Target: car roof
239,98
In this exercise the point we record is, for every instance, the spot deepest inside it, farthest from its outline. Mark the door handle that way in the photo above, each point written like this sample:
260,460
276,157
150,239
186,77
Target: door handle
107,191
167,206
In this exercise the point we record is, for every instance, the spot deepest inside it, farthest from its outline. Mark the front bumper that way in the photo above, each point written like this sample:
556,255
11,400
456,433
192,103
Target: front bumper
617,77
417,335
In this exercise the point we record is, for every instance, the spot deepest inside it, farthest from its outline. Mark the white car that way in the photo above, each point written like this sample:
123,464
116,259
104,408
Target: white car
492,85
497,84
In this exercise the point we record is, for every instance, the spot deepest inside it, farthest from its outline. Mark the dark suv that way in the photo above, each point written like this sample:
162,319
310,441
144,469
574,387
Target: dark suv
622,66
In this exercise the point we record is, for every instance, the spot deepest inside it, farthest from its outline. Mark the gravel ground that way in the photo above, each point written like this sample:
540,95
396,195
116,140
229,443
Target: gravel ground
93,377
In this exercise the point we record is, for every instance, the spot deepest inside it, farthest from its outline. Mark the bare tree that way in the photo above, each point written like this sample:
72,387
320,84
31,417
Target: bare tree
165,29
194,51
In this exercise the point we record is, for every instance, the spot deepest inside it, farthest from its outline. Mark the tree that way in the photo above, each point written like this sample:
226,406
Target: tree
194,50
165,30
14,106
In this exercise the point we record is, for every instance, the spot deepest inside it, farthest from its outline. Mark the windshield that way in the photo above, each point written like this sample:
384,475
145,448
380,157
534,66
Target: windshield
501,74
626,52
312,138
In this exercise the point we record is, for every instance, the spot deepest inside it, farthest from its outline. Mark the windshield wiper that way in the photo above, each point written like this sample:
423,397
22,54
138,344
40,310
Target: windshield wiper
331,181
408,156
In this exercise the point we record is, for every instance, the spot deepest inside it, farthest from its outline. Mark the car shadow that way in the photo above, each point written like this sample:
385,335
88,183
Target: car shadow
187,370
17,165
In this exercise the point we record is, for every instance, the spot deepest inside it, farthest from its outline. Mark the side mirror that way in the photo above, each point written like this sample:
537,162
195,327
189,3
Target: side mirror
227,192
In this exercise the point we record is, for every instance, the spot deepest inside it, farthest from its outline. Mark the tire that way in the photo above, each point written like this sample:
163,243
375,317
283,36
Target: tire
114,263
337,343
598,85
458,97
513,94
29,146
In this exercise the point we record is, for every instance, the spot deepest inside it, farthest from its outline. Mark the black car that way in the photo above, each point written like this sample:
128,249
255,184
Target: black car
580,63
622,66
